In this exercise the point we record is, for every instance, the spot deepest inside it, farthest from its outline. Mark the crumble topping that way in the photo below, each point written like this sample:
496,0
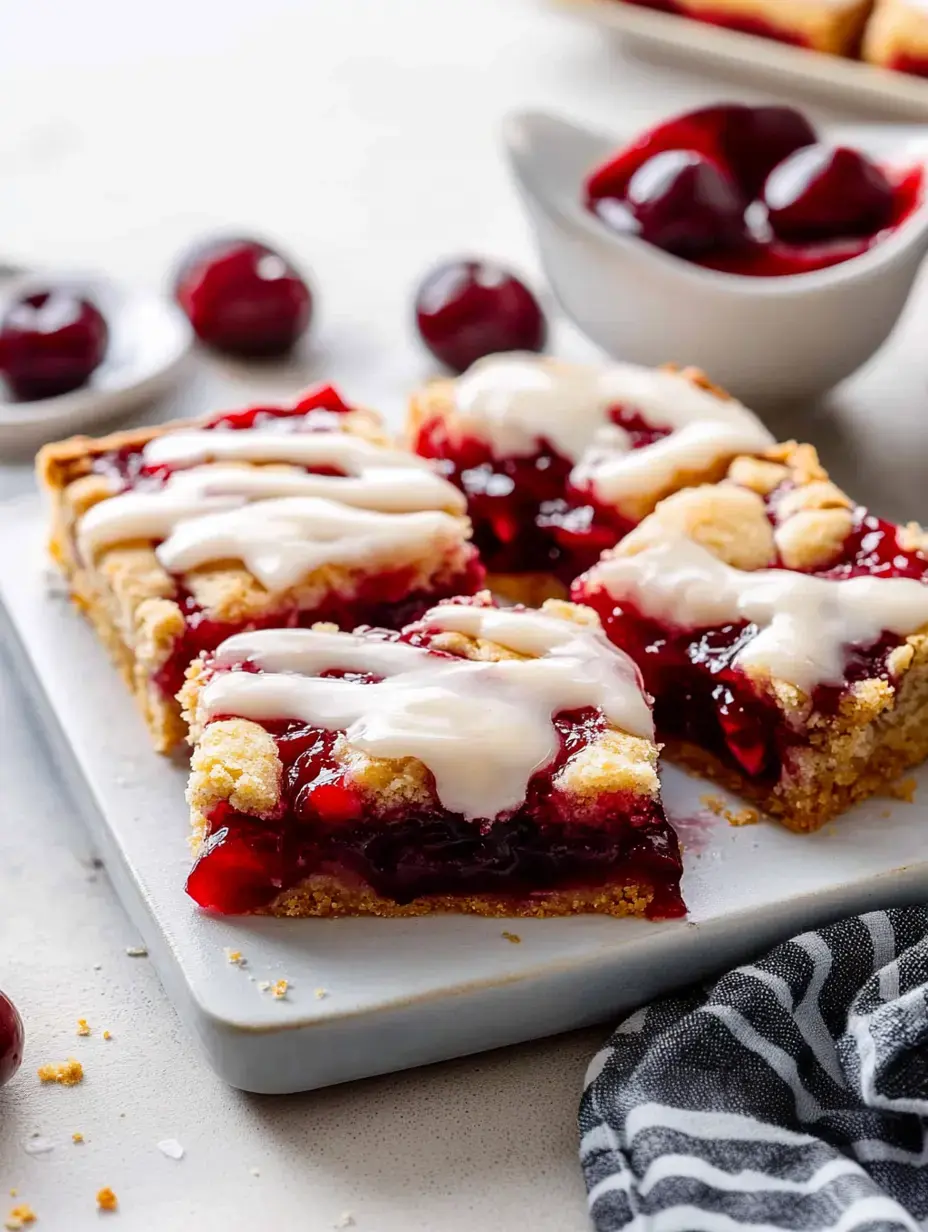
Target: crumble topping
106,1199
66,1073
20,1216
903,789
82,1027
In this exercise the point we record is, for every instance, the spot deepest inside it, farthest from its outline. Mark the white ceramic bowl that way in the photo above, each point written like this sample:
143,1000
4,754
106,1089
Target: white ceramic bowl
149,341
767,340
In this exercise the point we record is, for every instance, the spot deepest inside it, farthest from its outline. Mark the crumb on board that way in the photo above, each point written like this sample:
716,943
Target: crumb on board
107,1035
77,1136
718,807
83,1027
903,789
715,804
320,993
236,958
19,1216
106,1199
136,951
279,989
886,813
66,1073
513,937
345,1220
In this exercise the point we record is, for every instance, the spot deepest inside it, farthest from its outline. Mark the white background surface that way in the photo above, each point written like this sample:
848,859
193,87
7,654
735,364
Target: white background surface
362,135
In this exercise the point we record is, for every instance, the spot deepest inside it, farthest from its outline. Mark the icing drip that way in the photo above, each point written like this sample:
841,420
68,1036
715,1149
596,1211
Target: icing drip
482,728
516,401
804,624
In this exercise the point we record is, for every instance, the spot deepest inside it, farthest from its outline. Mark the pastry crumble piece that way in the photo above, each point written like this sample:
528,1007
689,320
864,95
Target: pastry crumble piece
83,1027
832,26
77,1138
20,1216
558,461
66,1073
174,538
782,631
513,938
499,762
107,1035
279,989
236,958
897,36
106,1199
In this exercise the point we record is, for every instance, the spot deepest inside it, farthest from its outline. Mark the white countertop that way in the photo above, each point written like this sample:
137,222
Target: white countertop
361,135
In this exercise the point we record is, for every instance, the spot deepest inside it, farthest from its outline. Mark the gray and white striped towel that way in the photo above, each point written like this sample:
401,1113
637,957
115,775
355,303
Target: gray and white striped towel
788,1094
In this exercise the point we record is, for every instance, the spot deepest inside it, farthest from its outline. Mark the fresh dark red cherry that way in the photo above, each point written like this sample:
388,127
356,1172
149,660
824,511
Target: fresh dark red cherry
826,192
51,341
468,309
756,139
12,1038
685,204
243,297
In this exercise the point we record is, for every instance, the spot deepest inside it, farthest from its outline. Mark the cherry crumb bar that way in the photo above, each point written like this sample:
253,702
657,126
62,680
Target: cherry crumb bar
558,461
782,631
176,537
897,36
497,762
832,26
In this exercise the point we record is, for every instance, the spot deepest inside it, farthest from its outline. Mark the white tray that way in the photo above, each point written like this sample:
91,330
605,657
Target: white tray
834,76
405,992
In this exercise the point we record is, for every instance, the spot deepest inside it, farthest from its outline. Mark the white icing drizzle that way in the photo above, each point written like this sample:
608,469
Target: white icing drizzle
482,728
805,624
279,520
515,400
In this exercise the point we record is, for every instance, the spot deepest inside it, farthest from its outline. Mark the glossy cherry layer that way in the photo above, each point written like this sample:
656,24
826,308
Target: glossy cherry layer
527,518
917,66
12,1039
750,144
51,342
700,695
325,826
467,309
243,297
382,599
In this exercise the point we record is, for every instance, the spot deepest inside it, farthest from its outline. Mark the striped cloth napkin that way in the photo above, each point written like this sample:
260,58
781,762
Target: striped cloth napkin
789,1094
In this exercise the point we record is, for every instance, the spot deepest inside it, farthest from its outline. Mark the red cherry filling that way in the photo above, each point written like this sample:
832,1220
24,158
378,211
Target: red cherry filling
820,206
51,342
12,1039
526,516
825,192
243,297
703,698
383,599
324,826
683,203
468,309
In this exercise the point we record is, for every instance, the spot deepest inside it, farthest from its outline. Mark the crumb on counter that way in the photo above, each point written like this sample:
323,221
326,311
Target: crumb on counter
513,937
106,1199
237,958
107,1035
136,951
345,1220
83,1027
77,1136
320,993
742,817
66,1073
279,989
715,804
19,1216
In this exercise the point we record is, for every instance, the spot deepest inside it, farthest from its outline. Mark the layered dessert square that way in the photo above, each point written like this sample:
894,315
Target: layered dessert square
782,631
832,26
497,762
897,36
559,460
174,538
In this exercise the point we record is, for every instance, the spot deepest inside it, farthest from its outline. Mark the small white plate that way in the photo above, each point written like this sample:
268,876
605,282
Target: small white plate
834,76
149,340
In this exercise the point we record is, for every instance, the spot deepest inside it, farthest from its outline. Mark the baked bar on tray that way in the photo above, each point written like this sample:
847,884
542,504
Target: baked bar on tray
498,762
832,26
897,36
560,460
173,538
782,631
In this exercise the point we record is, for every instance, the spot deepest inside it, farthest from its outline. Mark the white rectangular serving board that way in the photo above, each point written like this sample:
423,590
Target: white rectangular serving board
834,77
406,992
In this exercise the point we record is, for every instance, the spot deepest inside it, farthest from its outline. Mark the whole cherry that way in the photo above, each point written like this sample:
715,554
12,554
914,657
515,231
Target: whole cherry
826,192
12,1038
243,297
756,139
51,341
466,309
685,204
